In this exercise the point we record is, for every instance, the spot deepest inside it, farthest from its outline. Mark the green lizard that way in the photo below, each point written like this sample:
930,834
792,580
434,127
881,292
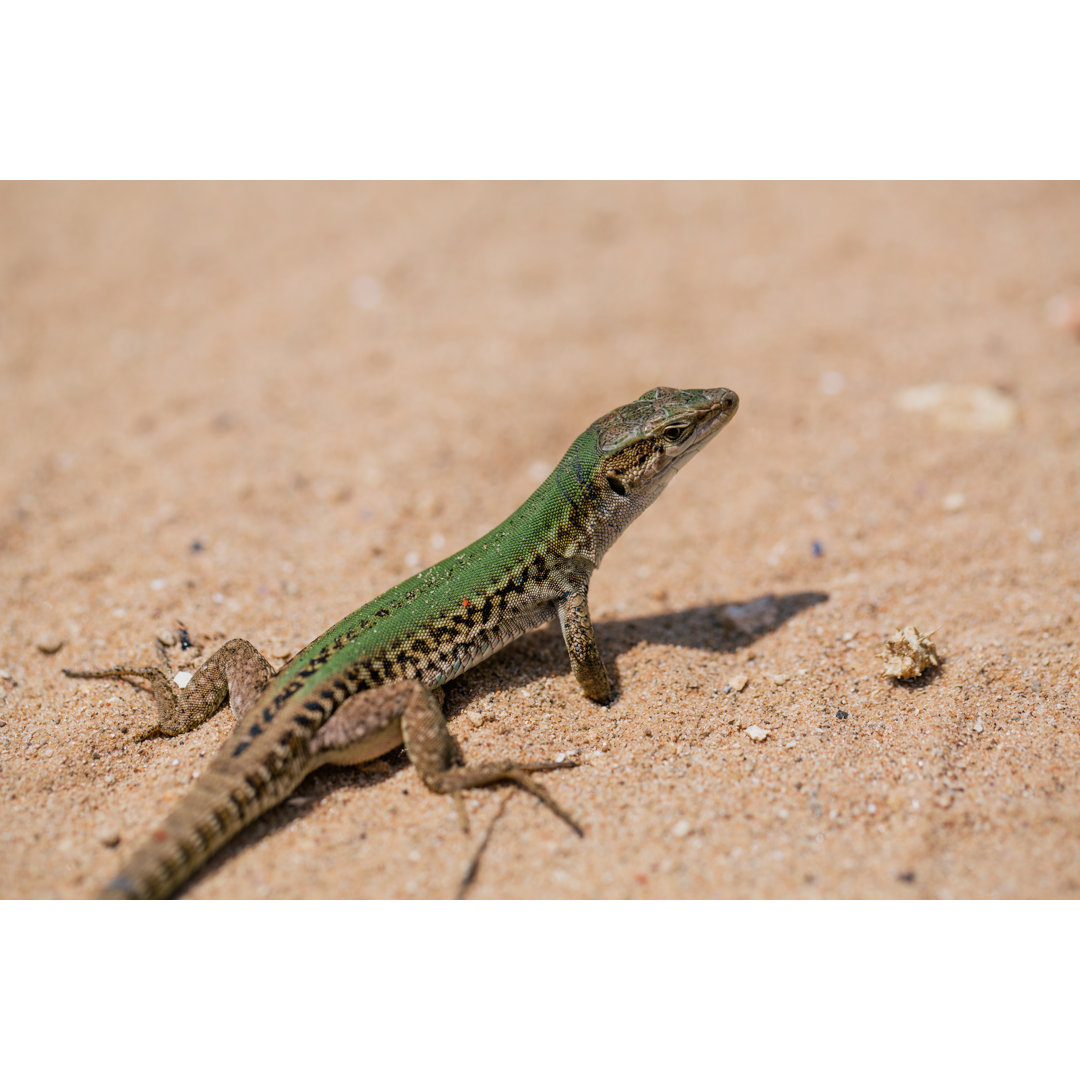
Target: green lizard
371,682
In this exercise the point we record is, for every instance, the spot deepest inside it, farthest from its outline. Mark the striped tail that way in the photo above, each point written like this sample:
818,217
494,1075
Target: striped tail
208,817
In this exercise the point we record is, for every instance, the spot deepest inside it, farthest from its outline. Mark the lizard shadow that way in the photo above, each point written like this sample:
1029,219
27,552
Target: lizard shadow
540,653
708,627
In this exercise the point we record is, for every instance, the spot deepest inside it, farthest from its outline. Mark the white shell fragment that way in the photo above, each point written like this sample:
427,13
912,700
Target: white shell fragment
907,654
182,678
962,406
758,734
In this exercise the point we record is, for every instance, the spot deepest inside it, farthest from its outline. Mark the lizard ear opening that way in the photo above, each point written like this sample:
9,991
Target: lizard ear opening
617,486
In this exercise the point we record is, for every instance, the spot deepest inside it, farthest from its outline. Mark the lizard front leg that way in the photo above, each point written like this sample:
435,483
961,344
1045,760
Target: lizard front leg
585,660
237,673
377,720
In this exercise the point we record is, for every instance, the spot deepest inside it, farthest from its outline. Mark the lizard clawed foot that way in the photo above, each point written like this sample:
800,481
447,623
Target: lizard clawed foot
161,686
458,778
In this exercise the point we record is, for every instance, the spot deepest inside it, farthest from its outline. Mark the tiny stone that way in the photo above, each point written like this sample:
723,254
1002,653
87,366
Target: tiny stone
831,382
1063,311
962,406
977,725
841,714
110,838
758,734
954,501
167,638
182,678
908,653
780,678
753,617
365,292
49,644
680,829
738,684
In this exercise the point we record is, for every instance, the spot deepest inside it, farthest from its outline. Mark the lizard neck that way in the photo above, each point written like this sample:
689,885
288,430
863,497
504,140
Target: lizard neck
579,512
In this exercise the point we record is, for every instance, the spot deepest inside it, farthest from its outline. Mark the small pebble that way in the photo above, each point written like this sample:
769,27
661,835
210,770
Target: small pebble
754,617
1063,311
831,382
49,644
680,829
739,683
167,638
780,678
962,406
182,678
908,653
954,501
841,714
365,292
817,549
758,734
110,838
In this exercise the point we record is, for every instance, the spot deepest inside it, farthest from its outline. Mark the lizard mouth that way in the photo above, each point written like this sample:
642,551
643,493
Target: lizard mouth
721,407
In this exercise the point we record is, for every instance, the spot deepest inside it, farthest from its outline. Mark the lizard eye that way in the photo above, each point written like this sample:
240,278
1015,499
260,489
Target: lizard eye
617,485
674,433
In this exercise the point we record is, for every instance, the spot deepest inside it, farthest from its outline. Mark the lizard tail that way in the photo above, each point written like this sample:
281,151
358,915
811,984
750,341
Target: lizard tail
210,815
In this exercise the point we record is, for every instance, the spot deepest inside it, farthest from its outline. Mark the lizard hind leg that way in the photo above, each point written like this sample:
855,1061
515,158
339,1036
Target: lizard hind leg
437,757
237,673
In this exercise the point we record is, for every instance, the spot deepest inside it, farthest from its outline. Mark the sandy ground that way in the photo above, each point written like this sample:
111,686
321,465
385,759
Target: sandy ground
247,409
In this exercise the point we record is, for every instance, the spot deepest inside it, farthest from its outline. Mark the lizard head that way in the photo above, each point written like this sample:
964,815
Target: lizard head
643,444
